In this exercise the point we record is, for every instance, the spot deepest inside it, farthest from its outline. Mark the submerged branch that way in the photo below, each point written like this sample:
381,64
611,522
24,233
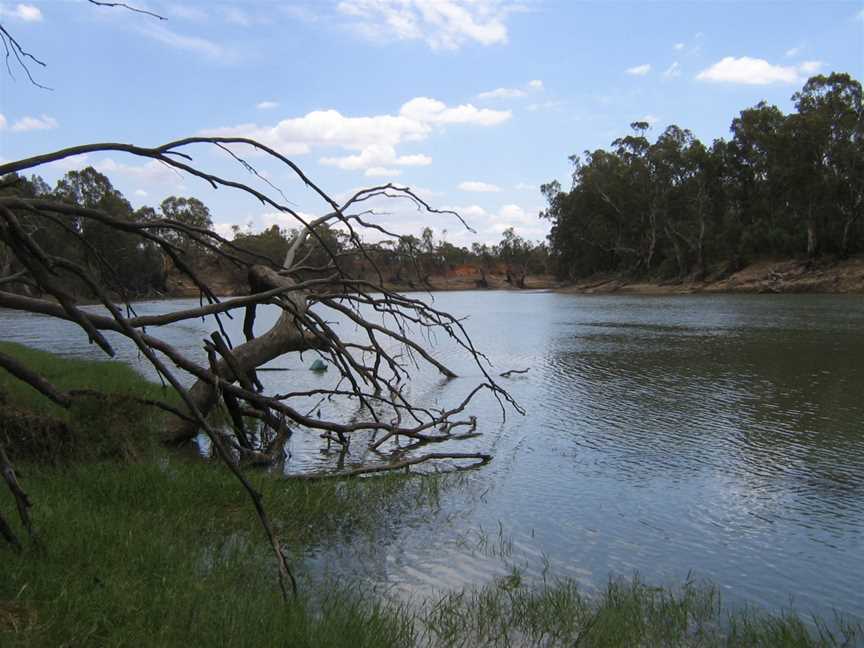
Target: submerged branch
480,460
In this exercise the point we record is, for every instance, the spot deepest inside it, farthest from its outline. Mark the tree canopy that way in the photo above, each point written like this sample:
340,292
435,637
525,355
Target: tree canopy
782,185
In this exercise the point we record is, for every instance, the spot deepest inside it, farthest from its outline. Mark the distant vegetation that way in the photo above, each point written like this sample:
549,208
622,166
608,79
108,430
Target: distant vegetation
782,186
123,261
129,265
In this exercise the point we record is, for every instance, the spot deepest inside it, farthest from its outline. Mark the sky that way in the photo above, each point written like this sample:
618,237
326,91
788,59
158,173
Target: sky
472,103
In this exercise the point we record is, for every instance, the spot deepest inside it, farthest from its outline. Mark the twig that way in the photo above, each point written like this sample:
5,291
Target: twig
507,374
481,460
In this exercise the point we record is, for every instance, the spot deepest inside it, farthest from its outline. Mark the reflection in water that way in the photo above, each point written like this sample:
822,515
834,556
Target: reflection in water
717,434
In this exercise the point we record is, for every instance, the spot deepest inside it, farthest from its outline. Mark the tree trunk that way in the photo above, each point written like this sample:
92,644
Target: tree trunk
676,247
284,337
652,241
847,229
811,240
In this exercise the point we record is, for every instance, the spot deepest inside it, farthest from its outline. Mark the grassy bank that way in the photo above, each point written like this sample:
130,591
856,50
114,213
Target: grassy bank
142,547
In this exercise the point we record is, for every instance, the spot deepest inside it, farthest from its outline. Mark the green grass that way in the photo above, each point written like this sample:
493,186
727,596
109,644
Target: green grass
511,612
143,547
109,376
169,553
93,427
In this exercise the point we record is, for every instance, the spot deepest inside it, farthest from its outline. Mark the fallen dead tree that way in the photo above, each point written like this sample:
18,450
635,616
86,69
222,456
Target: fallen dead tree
395,328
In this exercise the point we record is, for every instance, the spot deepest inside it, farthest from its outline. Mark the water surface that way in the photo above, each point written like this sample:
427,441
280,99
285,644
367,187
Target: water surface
716,436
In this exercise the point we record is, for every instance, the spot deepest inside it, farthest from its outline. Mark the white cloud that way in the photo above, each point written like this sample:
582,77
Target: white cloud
23,12
672,71
522,186
471,211
372,139
330,128
482,187
149,172
376,156
75,162
238,16
381,172
267,105
224,230
523,221
432,111
513,213
535,85
502,93
282,219
860,16
187,12
442,24
545,105
754,71
34,123
639,70
678,47
194,44
810,67
141,193
284,139
793,51
2,121
296,12
649,119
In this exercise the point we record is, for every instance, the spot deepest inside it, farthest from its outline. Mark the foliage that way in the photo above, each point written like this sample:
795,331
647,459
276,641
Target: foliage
122,261
127,264
783,185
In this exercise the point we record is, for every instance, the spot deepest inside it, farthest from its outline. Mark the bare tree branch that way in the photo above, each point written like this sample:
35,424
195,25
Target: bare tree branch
99,3
397,331
480,460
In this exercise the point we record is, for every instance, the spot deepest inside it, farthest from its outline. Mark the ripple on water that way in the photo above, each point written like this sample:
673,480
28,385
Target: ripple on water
718,434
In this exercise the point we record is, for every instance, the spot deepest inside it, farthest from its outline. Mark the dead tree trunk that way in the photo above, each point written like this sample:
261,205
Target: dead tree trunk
373,372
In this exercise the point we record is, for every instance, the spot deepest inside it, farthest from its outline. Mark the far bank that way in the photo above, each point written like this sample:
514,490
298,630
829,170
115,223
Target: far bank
762,277
781,276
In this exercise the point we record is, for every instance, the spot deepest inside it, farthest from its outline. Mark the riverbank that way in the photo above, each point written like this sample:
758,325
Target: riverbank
142,546
762,277
180,286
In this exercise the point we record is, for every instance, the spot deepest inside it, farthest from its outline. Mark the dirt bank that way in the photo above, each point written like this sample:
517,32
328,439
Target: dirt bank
767,276
225,282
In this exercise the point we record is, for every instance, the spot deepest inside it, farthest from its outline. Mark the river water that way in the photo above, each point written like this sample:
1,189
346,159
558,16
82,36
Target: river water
719,437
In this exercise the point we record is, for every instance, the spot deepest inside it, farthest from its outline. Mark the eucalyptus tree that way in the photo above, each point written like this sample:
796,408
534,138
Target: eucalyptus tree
782,185
827,139
189,211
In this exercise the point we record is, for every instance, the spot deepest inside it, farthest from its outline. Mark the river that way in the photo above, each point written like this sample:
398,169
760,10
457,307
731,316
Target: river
716,436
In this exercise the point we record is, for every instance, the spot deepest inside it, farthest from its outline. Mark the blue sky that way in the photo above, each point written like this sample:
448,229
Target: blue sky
474,103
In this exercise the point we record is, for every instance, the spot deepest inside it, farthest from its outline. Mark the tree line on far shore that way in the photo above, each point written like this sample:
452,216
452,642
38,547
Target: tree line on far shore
782,186
123,261
128,264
